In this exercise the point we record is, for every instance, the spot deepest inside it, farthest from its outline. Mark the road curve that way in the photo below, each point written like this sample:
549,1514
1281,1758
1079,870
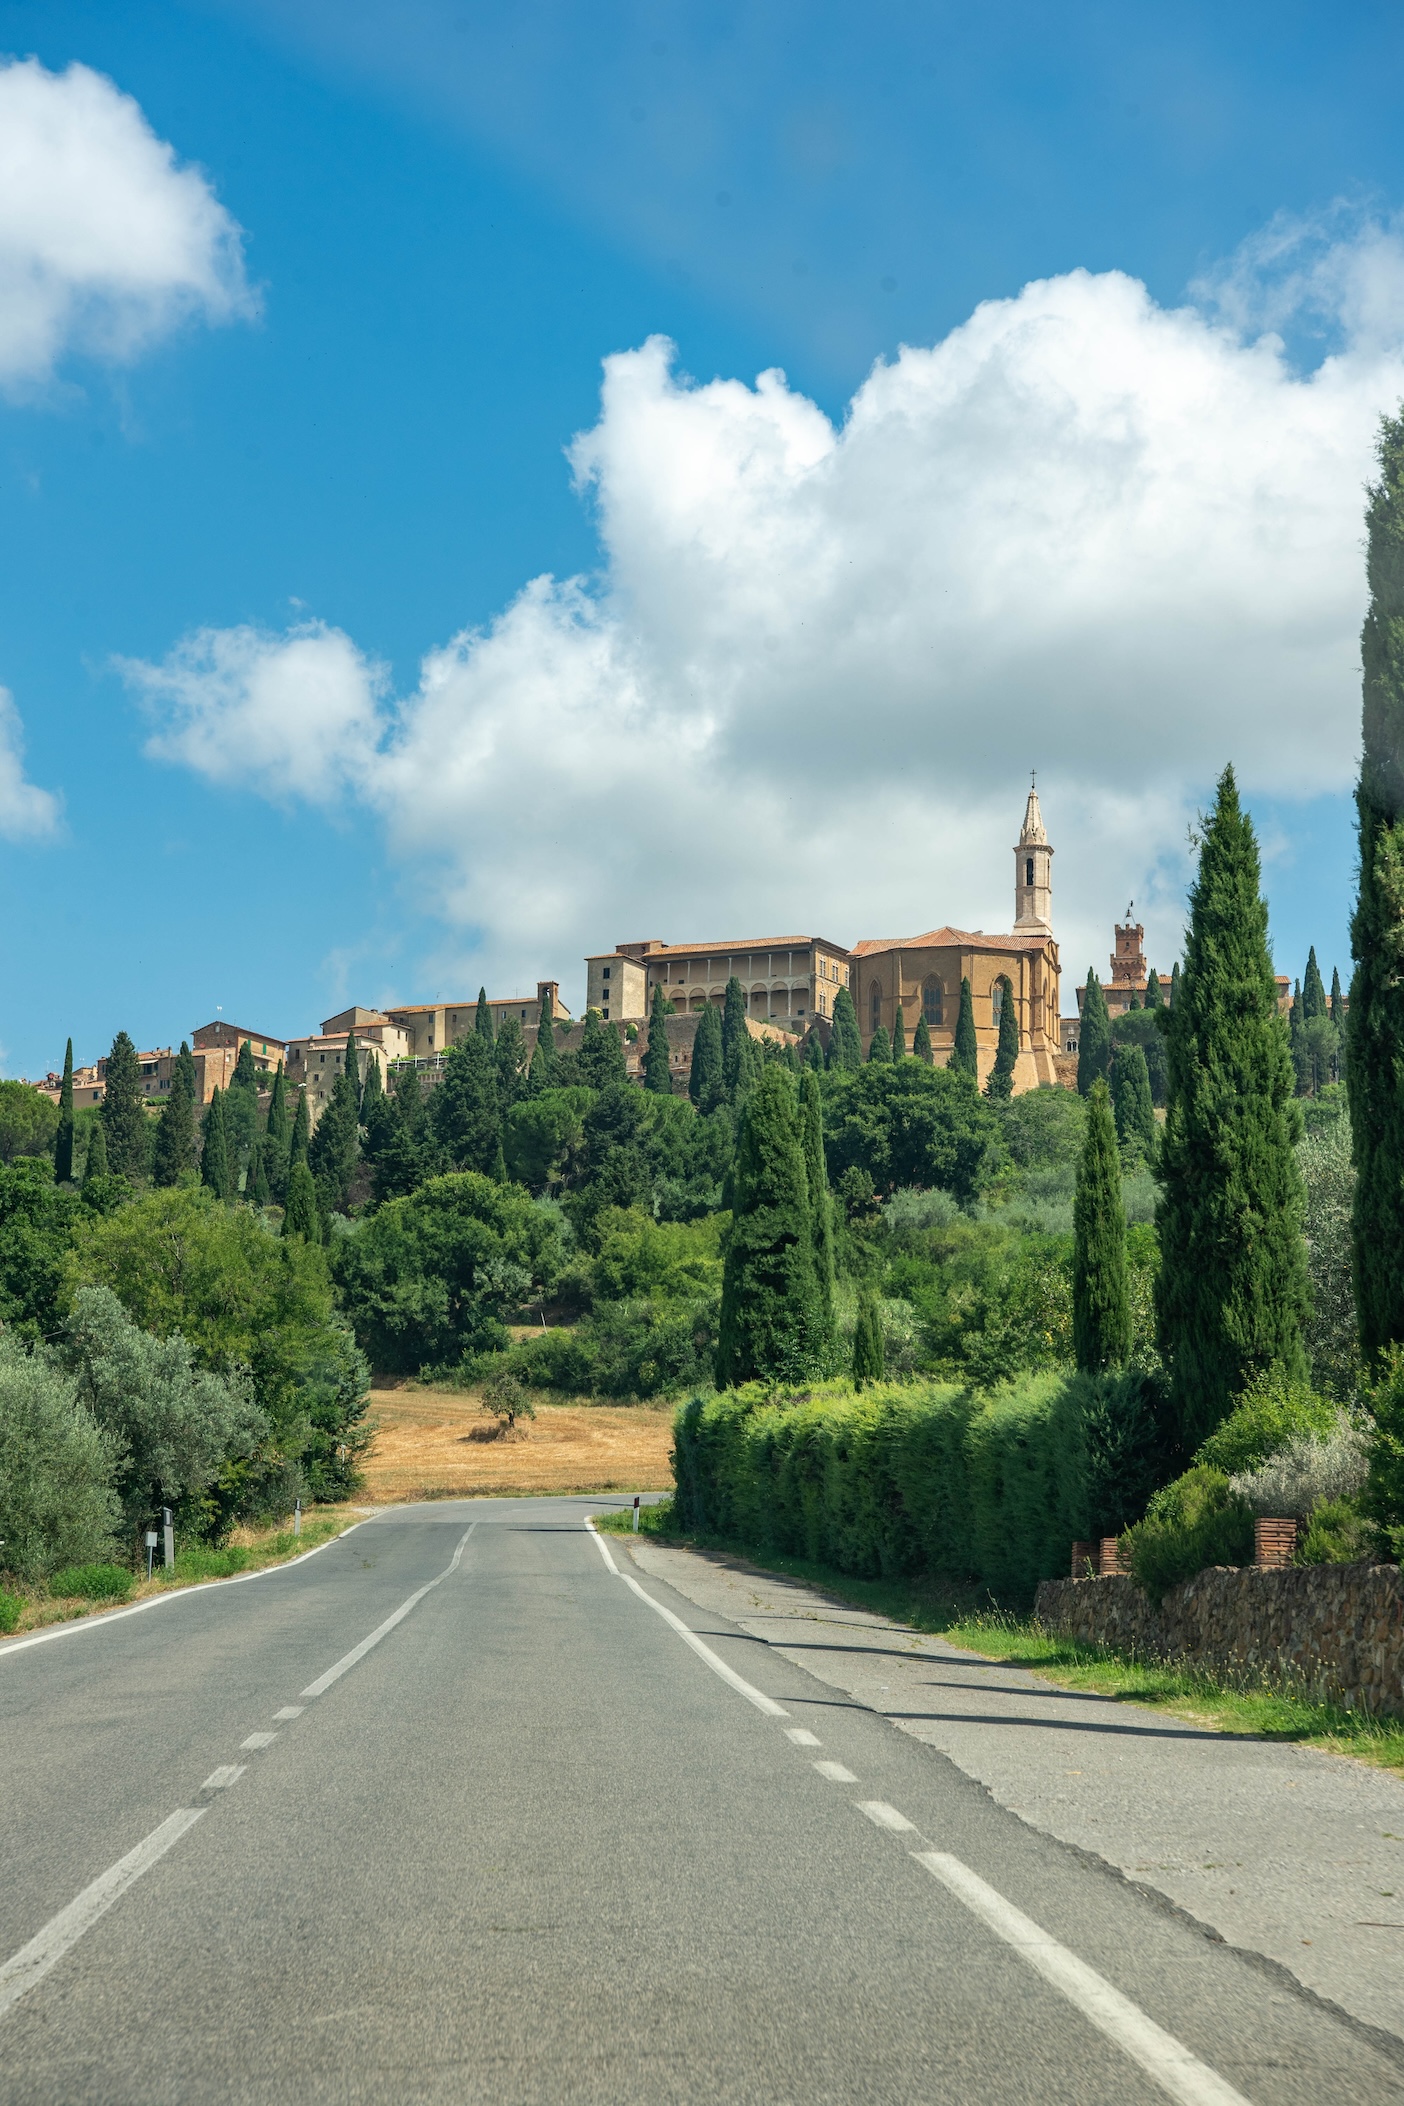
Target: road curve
453,1810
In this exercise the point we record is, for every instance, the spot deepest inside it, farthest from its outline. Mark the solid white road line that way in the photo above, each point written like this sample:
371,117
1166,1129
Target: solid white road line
157,1601
802,1737
33,1961
220,1780
884,1816
704,1652
1159,2054
358,1652
259,1740
835,1772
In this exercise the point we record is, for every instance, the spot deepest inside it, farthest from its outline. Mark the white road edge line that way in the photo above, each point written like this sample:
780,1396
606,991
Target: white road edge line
358,1652
704,1652
1163,2058
80,1624
33,1961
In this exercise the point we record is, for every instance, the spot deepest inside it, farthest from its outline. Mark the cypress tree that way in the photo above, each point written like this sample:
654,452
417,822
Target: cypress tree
921,1040
335,1147
1313,989
736,1041
96,1164
214,1151
1232,1293
373,1088
880,1047
599,1059
869,1355
1296,1040
706,1085
403,1155
256,1187
511,1064
899,1036
300,1215
1337,1011
656,1070
821,1212
482,1018
1094,1037
1375,1029
174,1150
1000,1087
465,1112
814,1053
124,1111
1154,997
301,1131
1134,1003
241,1111
1174,983
543,1057
277,1137
63,1137
965,1054
1131,1101
770,1325
845,1039
1101,1309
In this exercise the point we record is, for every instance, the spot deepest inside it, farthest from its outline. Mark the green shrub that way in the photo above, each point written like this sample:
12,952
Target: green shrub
92,1582
1198,1520
1337,1533
202,1561
923,1478
1272,1412
58,1505
11,1608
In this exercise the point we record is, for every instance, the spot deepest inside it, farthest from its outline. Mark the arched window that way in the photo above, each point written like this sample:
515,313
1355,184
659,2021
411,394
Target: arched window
997,1002
1028,870
931,1002
874,1006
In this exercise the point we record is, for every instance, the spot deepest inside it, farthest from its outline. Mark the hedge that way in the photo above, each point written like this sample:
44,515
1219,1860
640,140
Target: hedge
932,1478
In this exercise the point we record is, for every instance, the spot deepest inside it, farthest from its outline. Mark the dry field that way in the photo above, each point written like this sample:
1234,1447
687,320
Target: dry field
436,1443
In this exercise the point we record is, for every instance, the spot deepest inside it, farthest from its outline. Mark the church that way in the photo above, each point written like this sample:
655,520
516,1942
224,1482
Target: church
921,975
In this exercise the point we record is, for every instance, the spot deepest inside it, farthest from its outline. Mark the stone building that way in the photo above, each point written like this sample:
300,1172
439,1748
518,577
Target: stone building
922,974
430,1028
789,980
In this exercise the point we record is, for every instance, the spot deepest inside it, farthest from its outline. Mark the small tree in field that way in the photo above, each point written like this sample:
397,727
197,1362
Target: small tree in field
506,1397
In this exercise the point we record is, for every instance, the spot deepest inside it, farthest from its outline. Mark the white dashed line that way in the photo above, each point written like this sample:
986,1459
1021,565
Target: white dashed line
358,1652
290,1711
258,1740
802,1737
884,1816
835,1772
220,1780
33,1961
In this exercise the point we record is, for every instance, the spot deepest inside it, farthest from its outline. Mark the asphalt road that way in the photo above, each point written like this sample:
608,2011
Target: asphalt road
531,1845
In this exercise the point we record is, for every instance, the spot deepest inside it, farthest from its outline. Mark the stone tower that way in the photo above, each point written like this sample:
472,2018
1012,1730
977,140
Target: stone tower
1033,873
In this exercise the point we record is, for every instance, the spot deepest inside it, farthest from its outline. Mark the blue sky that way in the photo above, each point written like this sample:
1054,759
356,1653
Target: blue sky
450,217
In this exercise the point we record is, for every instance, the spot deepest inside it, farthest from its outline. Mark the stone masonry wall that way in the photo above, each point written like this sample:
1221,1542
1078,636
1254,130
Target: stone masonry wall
1333,1632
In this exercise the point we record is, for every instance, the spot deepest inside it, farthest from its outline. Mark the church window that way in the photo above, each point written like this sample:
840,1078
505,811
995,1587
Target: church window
997,1000
1028,870
931,1003
874,1006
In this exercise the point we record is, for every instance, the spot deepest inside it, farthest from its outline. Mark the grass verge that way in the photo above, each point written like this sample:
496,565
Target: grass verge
967,1617
250,1550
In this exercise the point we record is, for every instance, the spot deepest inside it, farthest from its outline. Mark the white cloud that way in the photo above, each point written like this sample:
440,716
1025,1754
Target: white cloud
26,813
105,242
1116,541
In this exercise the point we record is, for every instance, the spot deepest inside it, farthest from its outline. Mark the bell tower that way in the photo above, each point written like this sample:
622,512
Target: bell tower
1033,872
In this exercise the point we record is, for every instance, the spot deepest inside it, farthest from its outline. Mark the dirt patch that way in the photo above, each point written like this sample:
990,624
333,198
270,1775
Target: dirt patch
437,1443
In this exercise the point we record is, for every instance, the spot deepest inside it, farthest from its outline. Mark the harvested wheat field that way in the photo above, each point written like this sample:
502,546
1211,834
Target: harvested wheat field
437,1443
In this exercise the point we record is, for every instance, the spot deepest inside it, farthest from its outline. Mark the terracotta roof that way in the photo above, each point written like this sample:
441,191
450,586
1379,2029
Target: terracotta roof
748,943
949,940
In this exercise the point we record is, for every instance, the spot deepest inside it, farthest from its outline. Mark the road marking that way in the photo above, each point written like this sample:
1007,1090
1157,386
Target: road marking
885,1816
33,1961
1159,2054
689,1637
835,1772
358,1652
220,1780
259,1740
802,1737
80,1624
290,1711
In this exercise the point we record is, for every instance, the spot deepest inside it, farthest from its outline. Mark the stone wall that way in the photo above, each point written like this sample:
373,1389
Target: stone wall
1333,1632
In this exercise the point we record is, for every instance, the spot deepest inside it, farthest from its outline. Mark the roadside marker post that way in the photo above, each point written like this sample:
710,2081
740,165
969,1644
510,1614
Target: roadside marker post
150,1550
169,1533
297,1517
636,1513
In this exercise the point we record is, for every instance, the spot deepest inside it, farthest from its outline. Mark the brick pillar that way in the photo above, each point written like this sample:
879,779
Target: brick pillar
1081,1559
1273,1543
1109,1557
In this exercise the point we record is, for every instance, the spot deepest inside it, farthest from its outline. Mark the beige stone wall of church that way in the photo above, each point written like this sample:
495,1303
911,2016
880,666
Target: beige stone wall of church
902,975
